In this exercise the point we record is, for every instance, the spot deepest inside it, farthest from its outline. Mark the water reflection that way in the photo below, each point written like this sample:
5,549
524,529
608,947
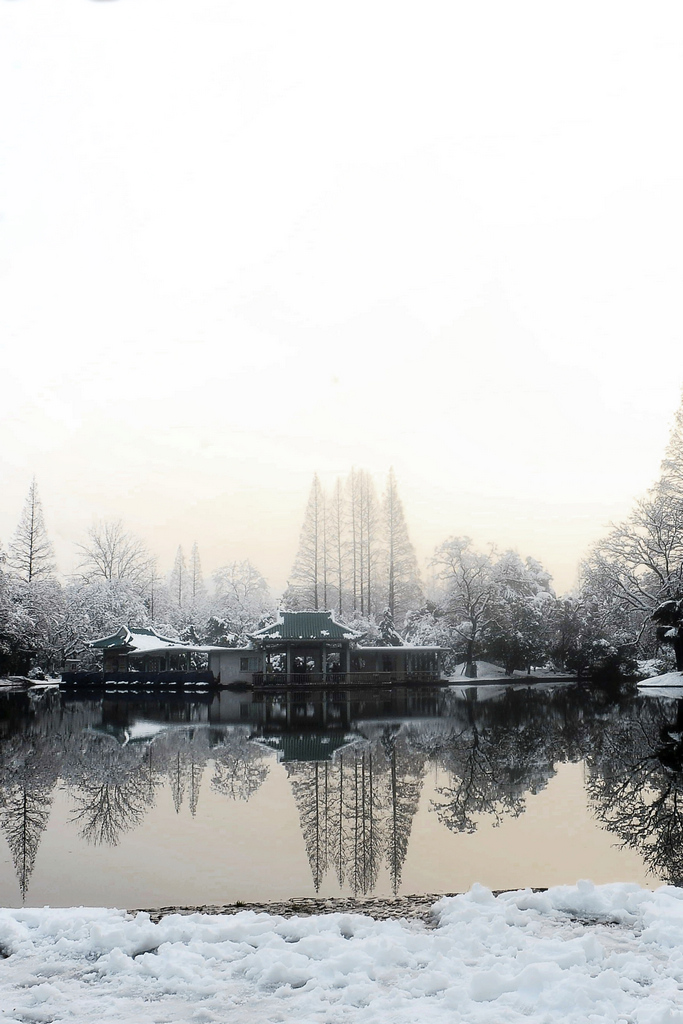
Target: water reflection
355,763
636,784
356,810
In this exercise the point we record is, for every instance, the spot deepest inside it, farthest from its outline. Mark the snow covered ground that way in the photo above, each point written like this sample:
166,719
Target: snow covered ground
487,670
668,679
579,953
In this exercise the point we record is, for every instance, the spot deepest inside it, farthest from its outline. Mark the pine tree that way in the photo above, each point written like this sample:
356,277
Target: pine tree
31,555
308,588
336,544
401,574
178,579
367,539
196,587
671,478
352,489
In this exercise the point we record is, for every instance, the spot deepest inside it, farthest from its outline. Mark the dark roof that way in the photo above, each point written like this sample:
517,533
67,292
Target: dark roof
134,639
119,640
308,746
306,626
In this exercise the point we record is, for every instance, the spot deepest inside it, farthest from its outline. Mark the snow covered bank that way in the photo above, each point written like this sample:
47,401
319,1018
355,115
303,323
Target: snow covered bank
574,954
668,679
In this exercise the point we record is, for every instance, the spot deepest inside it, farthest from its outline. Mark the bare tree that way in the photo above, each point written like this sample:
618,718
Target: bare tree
112,553
242,598
31,556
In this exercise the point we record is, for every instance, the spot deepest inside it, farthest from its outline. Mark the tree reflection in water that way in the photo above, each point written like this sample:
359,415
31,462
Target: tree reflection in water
112,787
28,775
635,784
357,786
356,811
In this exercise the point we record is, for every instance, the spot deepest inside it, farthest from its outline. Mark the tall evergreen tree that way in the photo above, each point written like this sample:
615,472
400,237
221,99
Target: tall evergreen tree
196,587
309,574
31,556
354,539
364,540
671,475
401,575
369,541
336,545
178,581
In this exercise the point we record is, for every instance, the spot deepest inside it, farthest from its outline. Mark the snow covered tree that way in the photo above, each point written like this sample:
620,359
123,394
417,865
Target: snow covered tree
470,589
671,478
31,555
242,601
15,625
520,622
337,546
390,637
112,553
401,579
101,607
637,567
177,581
364,523
196,586
309,576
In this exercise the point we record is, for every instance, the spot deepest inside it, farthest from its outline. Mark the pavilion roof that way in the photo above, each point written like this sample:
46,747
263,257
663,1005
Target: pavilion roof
144,640
306,626
310,746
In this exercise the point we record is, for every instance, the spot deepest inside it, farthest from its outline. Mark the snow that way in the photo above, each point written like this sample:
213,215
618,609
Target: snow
572,954
485,670
668,679
648,667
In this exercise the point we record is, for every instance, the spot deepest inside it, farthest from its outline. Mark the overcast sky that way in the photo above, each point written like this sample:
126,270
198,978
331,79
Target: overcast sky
244,241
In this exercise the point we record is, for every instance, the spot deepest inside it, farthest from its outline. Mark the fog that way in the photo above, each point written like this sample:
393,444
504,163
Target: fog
245,242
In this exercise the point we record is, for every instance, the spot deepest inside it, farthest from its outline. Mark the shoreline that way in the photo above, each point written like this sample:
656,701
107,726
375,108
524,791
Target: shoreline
380,908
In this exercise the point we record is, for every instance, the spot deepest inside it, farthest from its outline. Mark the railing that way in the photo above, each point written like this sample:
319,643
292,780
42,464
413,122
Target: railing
342,678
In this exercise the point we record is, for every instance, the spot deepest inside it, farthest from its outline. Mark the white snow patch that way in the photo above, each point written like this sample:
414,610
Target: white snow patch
575,953
668,679
485,670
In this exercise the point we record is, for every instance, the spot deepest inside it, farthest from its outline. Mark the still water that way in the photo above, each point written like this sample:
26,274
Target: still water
134,801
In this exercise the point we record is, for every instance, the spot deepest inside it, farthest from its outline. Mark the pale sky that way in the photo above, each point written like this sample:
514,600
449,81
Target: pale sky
244,241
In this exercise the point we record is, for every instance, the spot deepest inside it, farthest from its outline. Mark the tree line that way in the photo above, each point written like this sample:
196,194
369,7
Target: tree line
355,557
44,620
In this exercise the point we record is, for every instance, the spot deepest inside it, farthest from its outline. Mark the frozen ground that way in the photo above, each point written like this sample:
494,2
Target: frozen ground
668,679
487,670
583,953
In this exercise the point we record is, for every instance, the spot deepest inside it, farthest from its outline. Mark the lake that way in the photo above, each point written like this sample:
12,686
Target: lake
129,800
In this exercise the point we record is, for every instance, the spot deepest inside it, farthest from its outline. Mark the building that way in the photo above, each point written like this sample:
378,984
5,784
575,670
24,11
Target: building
299,649
313,648
143,650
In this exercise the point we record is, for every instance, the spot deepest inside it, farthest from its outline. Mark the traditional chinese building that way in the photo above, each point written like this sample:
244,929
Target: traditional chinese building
308,648
138,649
300,649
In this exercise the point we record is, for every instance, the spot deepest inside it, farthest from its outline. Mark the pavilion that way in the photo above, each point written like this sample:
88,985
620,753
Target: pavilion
140,649
308,648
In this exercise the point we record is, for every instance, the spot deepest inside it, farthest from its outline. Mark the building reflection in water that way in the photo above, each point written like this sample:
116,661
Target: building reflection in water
355,761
